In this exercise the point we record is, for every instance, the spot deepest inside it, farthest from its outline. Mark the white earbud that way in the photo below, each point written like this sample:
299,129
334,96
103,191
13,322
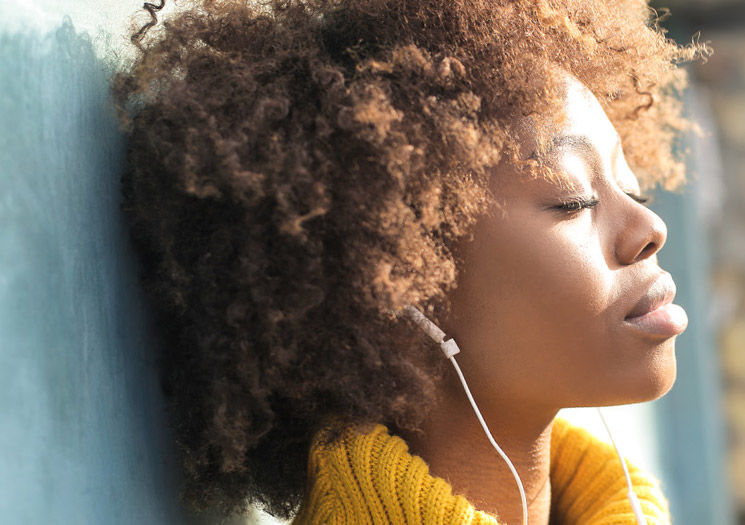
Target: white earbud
450,349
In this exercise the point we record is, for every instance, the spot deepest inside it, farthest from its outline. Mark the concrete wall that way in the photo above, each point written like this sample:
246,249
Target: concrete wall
82,431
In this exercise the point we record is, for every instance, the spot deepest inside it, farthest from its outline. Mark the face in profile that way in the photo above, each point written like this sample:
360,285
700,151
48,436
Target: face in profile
560,301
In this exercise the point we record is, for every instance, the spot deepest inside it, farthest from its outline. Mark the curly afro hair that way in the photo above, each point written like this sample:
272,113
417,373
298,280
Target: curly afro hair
302,169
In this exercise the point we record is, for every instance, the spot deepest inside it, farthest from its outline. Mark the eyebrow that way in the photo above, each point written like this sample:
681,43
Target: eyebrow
583,143
575,141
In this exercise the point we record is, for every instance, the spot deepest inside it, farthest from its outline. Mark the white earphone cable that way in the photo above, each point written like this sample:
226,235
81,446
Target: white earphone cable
635,505
450,349
523,501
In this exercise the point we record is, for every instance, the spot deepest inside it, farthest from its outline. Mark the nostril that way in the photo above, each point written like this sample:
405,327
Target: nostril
648,251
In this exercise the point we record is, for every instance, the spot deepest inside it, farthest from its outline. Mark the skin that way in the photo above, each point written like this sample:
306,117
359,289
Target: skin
539,312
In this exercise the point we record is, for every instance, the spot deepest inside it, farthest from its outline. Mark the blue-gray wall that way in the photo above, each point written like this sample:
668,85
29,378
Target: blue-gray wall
82,433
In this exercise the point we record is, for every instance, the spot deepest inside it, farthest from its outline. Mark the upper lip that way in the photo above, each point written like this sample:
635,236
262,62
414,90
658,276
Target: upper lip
661,292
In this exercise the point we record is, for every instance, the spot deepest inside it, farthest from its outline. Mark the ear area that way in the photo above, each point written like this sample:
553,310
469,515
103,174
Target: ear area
449,347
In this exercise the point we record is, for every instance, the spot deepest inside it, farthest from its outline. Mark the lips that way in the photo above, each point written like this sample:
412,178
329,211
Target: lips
654,314
661,292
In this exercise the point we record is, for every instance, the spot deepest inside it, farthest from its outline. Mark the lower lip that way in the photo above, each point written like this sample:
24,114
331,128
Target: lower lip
667,320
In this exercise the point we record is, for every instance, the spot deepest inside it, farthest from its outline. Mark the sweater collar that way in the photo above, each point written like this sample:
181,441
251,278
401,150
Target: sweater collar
368,476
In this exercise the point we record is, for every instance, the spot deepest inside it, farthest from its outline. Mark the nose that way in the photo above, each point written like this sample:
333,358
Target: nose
642,236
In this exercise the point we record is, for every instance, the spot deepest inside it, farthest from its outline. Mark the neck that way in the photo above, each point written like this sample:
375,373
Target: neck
456,448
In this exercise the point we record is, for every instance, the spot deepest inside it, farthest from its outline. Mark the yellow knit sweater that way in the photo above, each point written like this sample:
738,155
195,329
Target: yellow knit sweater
370,478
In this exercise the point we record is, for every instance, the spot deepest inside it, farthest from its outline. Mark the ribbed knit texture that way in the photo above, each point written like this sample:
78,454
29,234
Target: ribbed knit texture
371,478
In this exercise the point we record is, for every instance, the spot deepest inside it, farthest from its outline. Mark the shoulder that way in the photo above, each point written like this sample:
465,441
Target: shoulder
364,474
588,482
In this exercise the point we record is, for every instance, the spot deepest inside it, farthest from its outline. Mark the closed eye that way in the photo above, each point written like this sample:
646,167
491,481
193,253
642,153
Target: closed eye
638,198
581,203
577,205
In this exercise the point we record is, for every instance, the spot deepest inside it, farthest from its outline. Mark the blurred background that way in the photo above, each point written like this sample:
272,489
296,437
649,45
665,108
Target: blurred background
716,255
83,437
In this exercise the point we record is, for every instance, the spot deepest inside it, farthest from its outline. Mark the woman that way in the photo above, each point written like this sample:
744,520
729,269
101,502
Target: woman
306,176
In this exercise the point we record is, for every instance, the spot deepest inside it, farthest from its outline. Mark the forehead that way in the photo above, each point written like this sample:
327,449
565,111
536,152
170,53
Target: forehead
585,117
579,125
579,114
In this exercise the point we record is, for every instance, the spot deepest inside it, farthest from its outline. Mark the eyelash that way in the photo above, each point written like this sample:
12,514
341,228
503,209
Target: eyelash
577,205
583,204
638,198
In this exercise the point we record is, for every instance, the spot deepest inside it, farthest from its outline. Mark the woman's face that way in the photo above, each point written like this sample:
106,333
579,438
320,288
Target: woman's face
547,308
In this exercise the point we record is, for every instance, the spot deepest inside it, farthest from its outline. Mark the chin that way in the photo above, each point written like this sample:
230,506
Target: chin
656,377
645,380
662,381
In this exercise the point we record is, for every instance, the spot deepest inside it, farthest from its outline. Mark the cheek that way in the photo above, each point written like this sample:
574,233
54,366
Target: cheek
555,279
536,307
